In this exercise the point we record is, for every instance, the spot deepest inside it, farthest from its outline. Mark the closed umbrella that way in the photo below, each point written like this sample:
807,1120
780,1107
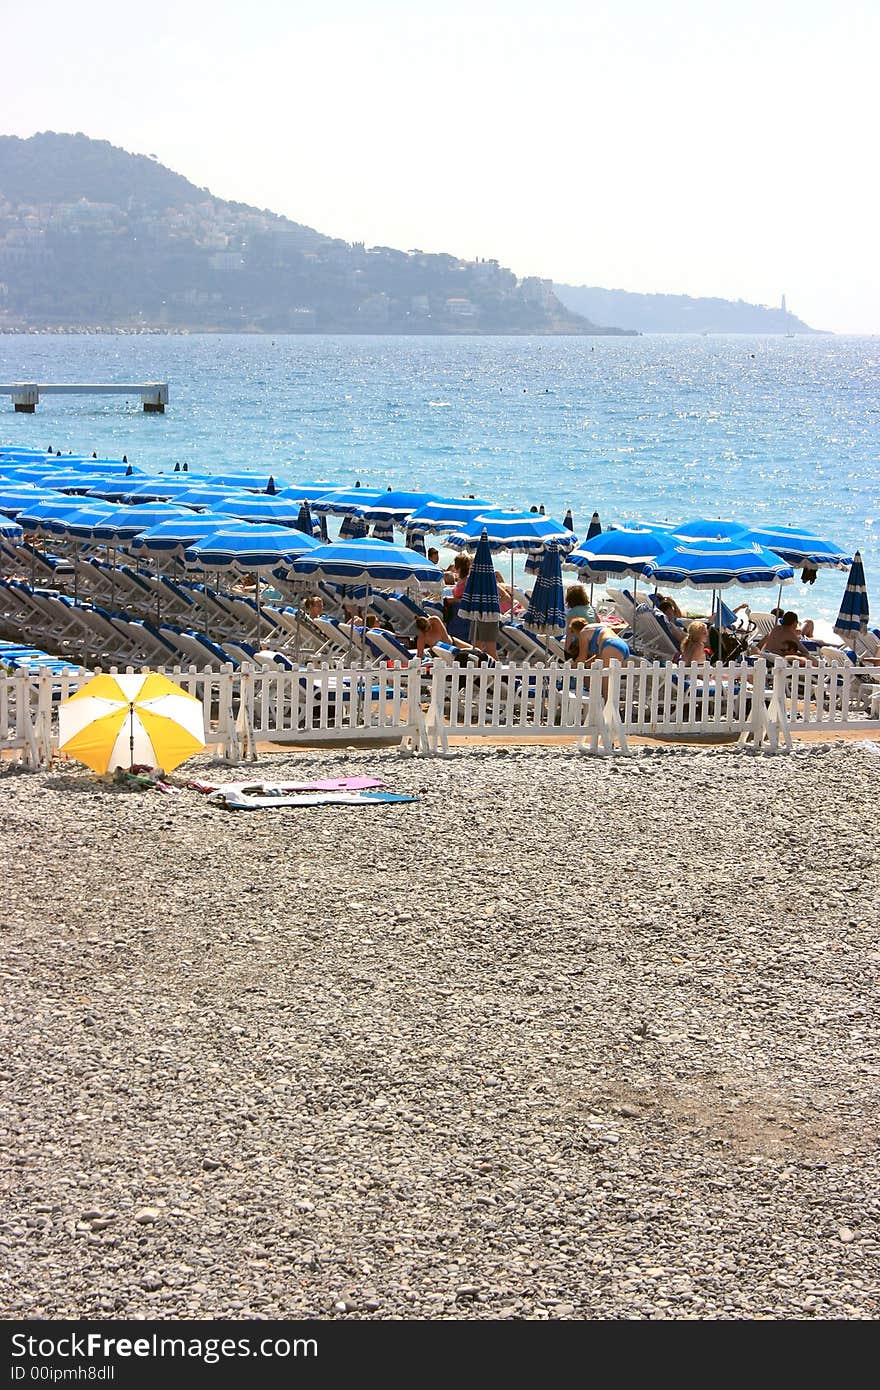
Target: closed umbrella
568,520
595,527
415,540
546,610
854,612
117,721
480,604
304,521
383,531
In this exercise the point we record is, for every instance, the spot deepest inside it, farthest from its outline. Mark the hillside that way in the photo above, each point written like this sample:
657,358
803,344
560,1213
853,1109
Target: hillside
678,313
91,236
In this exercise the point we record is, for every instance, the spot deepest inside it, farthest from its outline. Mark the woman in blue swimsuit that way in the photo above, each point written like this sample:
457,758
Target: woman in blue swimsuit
595,641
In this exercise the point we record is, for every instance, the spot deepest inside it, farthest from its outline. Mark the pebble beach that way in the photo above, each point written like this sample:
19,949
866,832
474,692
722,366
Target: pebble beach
567,1038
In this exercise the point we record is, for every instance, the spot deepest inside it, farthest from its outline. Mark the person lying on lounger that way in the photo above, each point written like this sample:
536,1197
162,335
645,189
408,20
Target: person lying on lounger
783,640
592,641
431,630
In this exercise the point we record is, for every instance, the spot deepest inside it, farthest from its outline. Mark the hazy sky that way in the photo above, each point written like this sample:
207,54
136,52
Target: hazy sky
698,146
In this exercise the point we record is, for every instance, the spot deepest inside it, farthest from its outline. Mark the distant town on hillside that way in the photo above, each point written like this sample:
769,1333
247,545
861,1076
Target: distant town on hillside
92,237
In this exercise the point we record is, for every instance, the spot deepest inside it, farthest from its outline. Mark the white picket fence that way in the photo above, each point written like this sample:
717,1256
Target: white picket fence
419,709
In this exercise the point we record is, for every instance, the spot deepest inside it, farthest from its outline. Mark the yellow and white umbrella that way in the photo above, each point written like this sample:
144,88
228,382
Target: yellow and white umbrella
117,721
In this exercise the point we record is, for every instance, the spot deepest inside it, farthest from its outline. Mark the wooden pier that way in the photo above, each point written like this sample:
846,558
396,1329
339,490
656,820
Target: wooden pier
26,394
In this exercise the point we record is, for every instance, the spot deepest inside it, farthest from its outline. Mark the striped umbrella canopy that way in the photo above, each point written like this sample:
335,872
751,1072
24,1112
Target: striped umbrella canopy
615,553
351,501
159,488
112,490
179,532
353,528
116,467
367,562
274,511
118,721
202,495
546,610
383,531
511,530
308,524
479,602
415,540
595,527
710,529
129,521
79,524
14,500
854,613
9,529
711,564
250,482
397,506
73,482
447,513
30,473
305,492
249,547
44,514
800,547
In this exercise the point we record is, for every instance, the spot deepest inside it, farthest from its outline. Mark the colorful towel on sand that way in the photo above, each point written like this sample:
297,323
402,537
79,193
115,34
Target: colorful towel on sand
326,784
261,797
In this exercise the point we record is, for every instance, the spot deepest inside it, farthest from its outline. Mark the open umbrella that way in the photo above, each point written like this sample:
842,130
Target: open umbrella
854,613
345,501
117,721
396,506
447,513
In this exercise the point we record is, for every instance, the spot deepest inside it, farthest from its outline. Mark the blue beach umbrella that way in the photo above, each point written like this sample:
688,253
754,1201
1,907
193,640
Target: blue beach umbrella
304,521
10,530
447,513
249,482
129,521
854,613
351,501
80,524
801,547
42,515
595,527
72,481
112,489
273,511
159,488
479,602
177,533
249,547
615,553
200,494
512,530
710,529
383,531
546,610
305,492
397,506
367,562
16,499
707,564
354,528
415,540
568,520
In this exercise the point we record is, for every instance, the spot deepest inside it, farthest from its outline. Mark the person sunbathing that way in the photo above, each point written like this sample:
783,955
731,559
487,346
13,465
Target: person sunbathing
695,646
595,641
431,630
783,640
669,608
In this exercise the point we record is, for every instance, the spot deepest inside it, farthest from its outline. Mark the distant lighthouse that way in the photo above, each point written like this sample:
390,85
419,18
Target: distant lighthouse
782,305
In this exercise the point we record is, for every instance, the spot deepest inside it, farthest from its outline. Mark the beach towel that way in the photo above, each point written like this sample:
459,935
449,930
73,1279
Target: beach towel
262,797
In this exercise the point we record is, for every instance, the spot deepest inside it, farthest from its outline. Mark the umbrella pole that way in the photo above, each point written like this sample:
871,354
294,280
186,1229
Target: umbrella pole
131,736
259,610
510,614
158,593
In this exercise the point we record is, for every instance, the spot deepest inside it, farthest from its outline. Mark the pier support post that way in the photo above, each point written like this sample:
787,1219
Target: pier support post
26,399
155,401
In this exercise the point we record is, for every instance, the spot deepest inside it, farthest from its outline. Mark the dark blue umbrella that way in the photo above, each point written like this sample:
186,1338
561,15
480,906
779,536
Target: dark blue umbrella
546,610
568,520
415,540
853,615
595,527
383,531
304,521
479,602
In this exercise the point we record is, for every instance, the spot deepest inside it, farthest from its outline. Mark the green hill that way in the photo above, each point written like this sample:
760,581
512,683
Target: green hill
91,236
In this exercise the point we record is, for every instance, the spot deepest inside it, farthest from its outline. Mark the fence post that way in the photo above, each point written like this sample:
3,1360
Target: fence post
245,725
596,726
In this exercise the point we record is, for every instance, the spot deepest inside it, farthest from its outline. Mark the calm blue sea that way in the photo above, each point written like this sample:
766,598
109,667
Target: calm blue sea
760,429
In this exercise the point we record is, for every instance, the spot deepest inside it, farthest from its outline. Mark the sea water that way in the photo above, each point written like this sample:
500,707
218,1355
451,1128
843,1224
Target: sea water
759,429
